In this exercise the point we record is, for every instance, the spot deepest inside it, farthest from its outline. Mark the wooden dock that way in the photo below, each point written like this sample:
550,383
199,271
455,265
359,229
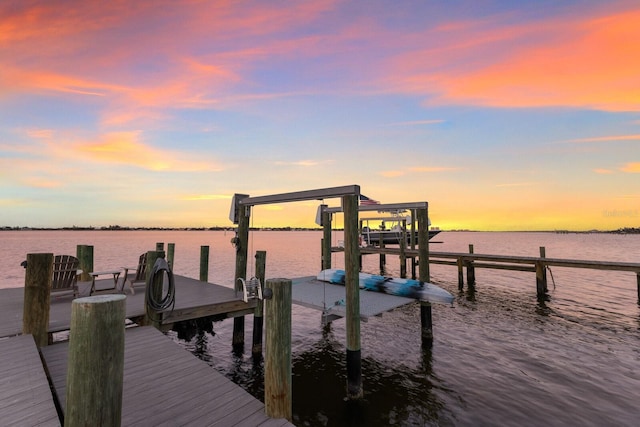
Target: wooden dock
166,385
471,261
194,299
163,384
25,397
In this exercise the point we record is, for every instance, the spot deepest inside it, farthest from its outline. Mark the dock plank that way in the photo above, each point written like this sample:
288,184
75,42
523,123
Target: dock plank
25,395
164,384
193,299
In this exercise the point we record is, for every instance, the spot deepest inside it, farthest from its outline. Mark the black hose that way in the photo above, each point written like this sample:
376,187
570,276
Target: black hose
169,300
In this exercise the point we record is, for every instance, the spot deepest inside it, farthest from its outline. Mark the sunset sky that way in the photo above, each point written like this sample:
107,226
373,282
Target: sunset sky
502,115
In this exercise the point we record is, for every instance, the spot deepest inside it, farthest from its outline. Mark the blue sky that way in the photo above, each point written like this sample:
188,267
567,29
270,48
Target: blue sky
501,115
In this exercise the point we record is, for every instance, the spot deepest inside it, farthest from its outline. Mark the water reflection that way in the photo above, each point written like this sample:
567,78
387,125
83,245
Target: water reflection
392,394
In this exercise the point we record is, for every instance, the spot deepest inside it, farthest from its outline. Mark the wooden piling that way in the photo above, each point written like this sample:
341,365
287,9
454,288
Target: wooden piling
242,245
171,249
471,271
326,240
204,263
256,348
152,318
96,361
460,264
383,258
277,364
159,246
426,320
352,267
638,287
541,275
37,296
84,253
403,249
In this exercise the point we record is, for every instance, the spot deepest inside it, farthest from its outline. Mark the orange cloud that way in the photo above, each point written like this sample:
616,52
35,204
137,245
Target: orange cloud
585,63
126,148
633,167
433,169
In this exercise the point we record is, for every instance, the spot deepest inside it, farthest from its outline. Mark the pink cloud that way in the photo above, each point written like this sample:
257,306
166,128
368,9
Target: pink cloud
590,62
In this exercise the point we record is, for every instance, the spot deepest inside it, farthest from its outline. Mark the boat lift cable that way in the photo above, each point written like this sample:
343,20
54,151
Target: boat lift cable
552,279
161,267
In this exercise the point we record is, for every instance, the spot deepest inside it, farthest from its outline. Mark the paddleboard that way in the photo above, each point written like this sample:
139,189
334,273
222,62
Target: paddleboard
408,288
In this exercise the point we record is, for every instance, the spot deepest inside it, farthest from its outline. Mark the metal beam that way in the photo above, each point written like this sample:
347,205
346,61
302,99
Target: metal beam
319,194
385,207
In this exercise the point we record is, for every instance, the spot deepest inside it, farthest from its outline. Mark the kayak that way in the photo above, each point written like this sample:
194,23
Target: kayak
408,288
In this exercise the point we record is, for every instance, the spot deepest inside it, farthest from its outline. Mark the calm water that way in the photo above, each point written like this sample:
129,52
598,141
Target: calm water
499,357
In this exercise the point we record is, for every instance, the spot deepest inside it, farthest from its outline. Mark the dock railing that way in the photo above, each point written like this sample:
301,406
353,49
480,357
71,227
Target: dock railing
539,265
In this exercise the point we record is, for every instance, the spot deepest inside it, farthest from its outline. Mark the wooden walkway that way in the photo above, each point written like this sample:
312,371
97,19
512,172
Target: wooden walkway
25,396
194,299
165,385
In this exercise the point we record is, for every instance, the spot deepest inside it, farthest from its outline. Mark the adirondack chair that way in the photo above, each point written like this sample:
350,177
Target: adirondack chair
65,275
140,277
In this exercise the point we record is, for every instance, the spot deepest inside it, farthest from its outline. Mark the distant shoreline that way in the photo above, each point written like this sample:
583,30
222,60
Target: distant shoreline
624,230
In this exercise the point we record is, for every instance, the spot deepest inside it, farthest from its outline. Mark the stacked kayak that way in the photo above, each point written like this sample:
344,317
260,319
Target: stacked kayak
408,288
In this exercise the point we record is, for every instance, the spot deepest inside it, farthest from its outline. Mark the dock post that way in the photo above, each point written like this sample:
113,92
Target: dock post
258,320
152,318
37,297
171,250
95,363
277,364
426,320
638,280
383,258
242,245
204,263
543,267
84,253
352,298
160,246
403,248
412,243
460,275
326,239
541,275
471,270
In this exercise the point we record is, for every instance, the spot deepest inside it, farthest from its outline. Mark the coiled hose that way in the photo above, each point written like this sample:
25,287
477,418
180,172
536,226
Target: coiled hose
169,299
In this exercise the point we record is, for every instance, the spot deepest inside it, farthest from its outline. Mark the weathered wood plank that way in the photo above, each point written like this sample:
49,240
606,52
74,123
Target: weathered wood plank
25,396
194,299
166,385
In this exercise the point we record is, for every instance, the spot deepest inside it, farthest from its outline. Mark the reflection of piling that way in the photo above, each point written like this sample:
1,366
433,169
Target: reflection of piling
95,365
204,263
256,349
37,296
277,364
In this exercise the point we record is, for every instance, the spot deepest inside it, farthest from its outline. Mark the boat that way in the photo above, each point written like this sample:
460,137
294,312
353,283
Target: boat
408,288
391,236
